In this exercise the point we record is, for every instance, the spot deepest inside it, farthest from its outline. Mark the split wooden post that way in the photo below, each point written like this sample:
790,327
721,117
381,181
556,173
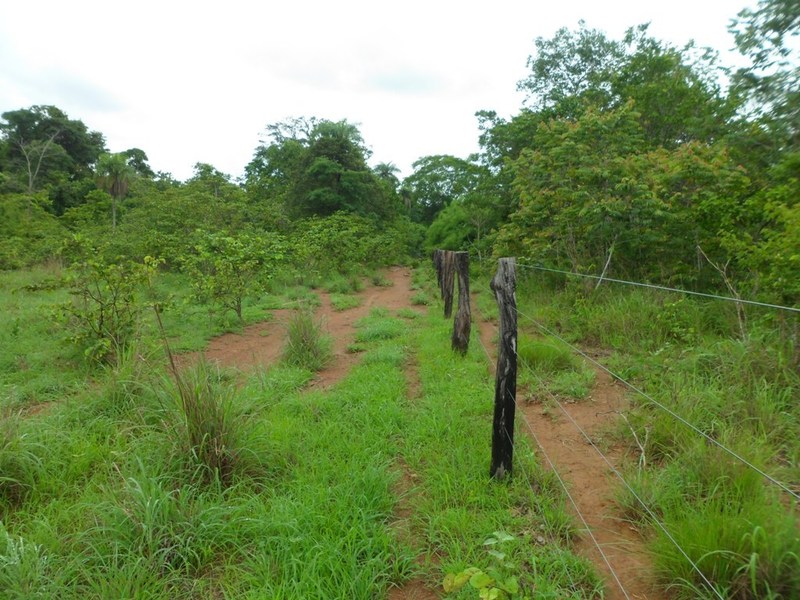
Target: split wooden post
504,285
463,321
448,277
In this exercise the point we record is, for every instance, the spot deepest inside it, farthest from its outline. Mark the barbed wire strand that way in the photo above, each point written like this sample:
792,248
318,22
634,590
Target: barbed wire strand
672,413
605,459
652,516
558,477
661,287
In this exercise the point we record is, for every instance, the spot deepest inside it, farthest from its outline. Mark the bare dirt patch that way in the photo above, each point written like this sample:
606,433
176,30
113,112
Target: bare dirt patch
591,483
260,345
340,323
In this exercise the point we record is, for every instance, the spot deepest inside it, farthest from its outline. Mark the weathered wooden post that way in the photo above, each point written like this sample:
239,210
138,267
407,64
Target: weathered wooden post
504,285
463,321
448,276
438,255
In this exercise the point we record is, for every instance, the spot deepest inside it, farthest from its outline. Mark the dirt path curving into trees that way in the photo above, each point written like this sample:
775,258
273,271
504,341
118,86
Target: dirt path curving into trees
261,345
588,477
591,483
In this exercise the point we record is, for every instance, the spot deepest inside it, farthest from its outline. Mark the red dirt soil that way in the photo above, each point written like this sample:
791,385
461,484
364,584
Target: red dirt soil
260,345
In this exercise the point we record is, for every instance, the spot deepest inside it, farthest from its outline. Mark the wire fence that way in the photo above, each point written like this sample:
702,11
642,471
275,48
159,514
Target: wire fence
650,399
647,509
564,487
659,287
654,519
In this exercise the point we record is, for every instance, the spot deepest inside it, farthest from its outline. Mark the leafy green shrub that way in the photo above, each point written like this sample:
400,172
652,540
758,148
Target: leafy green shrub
342,241
307,345
224,269
28,233
104,312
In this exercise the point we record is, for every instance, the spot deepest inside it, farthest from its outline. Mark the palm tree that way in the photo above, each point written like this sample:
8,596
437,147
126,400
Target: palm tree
114,176
387,172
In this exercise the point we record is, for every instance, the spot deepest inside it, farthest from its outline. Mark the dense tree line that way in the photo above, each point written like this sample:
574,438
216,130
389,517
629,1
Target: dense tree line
629,155
57,180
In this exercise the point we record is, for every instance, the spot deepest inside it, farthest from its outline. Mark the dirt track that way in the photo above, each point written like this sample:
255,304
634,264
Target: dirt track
588,477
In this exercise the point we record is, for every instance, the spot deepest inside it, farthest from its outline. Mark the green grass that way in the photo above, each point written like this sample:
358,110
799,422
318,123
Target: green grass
340,284
345,301
460,506
687,355
421,298
548,368
379,326
307,344
408,313
121,489
37,364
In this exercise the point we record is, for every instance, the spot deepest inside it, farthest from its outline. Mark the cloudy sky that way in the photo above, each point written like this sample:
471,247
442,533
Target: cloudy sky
189,82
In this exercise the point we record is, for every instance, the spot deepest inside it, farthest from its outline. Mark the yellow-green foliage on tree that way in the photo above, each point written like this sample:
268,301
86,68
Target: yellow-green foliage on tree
226,268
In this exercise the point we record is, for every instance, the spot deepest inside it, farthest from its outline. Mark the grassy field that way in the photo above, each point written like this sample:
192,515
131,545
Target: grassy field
121,482
742,393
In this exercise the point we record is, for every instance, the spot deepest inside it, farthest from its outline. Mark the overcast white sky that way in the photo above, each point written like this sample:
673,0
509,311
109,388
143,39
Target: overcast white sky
189,82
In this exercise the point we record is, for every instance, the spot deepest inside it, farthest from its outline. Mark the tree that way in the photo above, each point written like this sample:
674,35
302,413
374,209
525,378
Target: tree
590,188
318,167
104,312
772,81
209,179
439,180
569,69
387,172
43,142
114,176
675,91
137,160
333,176
226,268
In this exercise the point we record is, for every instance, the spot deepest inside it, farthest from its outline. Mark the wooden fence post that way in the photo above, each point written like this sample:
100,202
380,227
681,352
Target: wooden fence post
437,264
448,276
463,321
504,285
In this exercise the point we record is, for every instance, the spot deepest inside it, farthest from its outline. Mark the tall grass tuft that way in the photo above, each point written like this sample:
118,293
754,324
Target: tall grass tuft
307,345
20,464
24,568
205,424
